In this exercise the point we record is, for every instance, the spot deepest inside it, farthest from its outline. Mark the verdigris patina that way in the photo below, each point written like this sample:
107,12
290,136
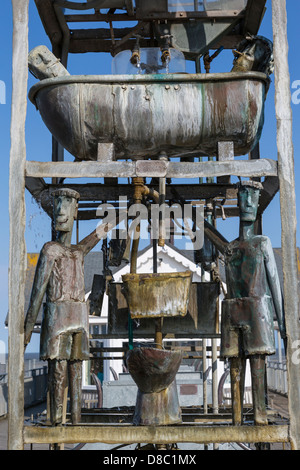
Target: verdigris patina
253,294
65,329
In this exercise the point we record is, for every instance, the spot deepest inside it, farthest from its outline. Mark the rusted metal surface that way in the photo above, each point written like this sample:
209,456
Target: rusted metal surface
154,371
158,409
143,115
256,54
253,299
59,274
153,434
201,317
157,292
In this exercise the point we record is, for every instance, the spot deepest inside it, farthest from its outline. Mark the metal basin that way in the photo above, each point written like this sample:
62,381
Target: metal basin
157,295
153,370
143,115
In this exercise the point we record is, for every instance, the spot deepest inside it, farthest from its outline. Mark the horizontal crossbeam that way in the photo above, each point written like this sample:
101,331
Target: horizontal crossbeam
150,168
127,434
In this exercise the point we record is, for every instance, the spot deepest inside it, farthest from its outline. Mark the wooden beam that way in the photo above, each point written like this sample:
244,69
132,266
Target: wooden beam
17,248
48,17
288,210
148,168
254,15
270,189
102,192
126,434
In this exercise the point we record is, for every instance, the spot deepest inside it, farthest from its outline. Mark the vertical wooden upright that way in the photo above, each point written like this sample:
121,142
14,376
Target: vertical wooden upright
288,210
17,249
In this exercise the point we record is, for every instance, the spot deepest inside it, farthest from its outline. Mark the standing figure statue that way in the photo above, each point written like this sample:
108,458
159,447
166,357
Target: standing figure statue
64,340
253,295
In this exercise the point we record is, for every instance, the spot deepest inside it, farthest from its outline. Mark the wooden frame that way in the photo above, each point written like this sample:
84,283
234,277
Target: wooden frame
19,170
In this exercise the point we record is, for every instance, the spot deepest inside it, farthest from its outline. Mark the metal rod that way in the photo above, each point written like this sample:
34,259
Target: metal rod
204,367
162,201
288,208
17,250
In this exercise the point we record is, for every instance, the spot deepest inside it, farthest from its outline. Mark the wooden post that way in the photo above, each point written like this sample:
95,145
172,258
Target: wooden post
288,210
17,249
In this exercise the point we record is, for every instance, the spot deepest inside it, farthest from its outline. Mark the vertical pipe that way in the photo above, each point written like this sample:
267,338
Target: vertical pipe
215,401
161,242
17,248
162,201
288,209
215,377
158,321
279,347
204,367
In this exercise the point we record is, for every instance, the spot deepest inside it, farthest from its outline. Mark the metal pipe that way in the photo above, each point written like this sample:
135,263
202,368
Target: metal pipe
150,192
204,367
162,201
138,194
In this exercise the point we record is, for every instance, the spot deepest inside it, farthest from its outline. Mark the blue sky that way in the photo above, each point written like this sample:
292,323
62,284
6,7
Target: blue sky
38,139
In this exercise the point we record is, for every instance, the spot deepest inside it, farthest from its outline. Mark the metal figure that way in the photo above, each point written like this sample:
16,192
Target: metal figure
253,294
64,338
254,53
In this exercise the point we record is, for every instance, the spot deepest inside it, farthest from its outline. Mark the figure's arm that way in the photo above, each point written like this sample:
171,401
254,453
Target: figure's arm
89,242
41,279
274,284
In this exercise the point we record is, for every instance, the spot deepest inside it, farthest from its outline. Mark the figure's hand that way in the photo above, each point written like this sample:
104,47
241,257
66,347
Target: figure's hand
27,337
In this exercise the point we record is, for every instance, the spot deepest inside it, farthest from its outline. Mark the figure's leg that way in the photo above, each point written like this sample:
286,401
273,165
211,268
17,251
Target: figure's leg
237,376
75,382
57,382
258,365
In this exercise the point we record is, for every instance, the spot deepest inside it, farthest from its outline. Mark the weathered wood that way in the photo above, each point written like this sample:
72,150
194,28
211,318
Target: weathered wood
175,16
152,434
254,14
92,214
269,191
49,20
79,46
288,209
17,248
99,192
263,167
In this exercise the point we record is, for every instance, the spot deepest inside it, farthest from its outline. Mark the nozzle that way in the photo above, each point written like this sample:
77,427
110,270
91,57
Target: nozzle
136,53
165,48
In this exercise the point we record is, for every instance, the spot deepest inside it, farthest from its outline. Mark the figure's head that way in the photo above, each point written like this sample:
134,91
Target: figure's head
254,54
248,199
65,209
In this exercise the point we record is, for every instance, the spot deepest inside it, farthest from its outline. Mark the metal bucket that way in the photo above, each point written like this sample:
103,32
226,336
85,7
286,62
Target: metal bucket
143,115
157,295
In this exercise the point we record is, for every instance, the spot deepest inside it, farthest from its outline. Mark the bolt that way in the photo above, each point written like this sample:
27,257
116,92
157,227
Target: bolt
167,87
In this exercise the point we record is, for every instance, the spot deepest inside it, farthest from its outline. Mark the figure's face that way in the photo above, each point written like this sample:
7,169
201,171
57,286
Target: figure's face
65,208
248,203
